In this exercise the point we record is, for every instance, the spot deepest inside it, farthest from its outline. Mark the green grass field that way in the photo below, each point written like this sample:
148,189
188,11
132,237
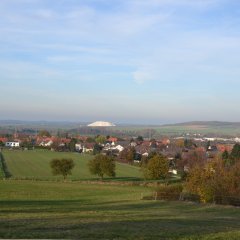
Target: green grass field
34,164
73,210
172,130
80,210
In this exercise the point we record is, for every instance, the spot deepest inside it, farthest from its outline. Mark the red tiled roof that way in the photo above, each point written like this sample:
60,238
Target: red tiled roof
3,139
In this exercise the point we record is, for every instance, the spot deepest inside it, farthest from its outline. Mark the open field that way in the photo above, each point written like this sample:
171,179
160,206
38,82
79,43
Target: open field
41,209
201,127
34,164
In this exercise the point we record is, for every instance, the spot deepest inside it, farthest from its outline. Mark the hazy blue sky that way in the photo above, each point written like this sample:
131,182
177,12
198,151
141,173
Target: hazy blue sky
127,61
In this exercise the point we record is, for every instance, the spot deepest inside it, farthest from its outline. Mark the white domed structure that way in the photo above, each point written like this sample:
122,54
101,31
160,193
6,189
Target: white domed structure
101,124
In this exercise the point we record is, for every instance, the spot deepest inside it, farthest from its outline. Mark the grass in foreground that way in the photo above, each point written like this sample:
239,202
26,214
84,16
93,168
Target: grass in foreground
34,164
72,210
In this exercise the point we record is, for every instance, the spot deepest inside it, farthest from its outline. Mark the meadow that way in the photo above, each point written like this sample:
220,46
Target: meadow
34,164
98,210
204,128
73,210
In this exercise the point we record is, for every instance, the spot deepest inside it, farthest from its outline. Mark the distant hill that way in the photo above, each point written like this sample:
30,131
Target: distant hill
216,128
40,124
206,124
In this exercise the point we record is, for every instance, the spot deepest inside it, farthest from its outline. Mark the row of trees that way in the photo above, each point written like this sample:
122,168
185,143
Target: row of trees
156,167
233,157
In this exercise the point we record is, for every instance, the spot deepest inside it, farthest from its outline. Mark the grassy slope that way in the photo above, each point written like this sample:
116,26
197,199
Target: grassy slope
72,210
35,164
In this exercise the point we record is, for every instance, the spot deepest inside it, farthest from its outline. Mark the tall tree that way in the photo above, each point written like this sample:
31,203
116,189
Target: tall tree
102,165
100,139
44,133
130,154
62,166
235,154
226,158
71,145
156,168
208,144
97,148
140,139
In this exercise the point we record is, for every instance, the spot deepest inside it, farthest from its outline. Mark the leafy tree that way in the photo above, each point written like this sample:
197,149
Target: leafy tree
62,166
44,133
97,149
151,155
26,144
214,181
102,165
140,139
180,143
71,145
130,154
156,168
208,144
225,155
188,143
2,144
235,154
226,158
90,140
100,139
55,144
200,182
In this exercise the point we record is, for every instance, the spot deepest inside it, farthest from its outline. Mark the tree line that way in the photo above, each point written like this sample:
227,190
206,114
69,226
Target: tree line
156,167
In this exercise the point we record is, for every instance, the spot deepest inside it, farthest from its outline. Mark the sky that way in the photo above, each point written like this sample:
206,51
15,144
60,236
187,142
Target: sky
123,61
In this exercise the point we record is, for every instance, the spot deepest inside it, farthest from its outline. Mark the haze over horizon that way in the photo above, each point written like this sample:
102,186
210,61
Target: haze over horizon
131,61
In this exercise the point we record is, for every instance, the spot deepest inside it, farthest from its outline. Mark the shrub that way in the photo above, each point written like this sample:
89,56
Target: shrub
215,182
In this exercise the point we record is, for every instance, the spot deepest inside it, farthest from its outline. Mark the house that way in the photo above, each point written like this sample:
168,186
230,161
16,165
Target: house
143,150
119,147
12,144
112,139
224,147
165,141
78,147
88,147
124,144
46,143
108,146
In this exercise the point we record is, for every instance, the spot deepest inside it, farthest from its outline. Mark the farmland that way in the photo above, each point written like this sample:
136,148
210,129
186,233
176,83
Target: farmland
34,164
40,209
90,210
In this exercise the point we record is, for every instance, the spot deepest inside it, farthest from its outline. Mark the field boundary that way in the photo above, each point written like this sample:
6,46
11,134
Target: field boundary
3,167
90,182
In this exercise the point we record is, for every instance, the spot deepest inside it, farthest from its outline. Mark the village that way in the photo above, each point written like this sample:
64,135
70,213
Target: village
182,152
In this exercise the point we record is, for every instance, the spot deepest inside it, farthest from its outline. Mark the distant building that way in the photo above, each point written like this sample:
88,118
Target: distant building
101,124
78,147
12,144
